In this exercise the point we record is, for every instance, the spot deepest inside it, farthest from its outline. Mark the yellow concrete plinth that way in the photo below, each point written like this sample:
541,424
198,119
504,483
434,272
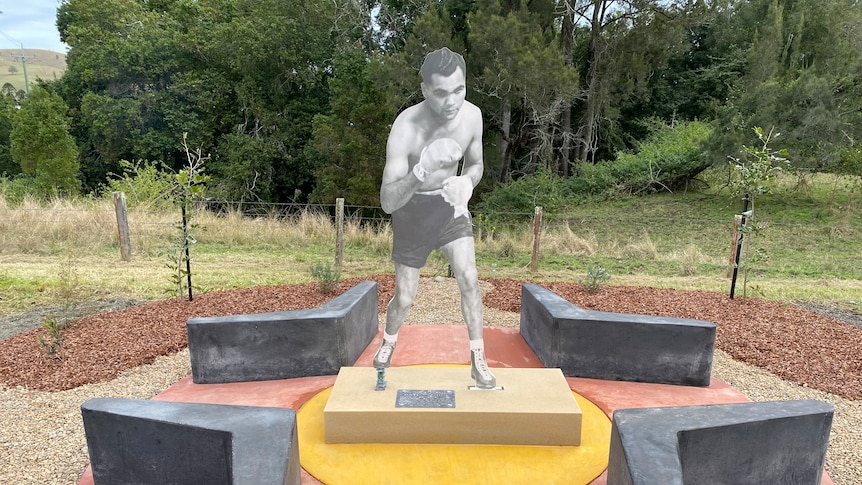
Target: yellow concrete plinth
535,407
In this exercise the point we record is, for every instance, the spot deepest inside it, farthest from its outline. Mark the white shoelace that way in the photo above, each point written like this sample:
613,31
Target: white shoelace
385,352
482,365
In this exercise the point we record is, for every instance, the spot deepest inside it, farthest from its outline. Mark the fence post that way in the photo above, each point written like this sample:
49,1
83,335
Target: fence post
122,226
537,230
339,232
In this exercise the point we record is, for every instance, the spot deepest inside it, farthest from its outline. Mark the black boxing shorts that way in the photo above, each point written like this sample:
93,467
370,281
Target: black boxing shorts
425,223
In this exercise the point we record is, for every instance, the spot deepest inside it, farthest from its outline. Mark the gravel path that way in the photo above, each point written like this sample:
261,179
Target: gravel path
42,439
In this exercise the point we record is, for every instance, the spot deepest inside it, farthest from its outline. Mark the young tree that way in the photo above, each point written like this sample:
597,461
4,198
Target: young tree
41,143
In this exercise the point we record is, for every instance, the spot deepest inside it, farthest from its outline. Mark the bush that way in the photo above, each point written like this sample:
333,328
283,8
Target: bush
145,184
16,189
595,279
520,198
668,160
326,276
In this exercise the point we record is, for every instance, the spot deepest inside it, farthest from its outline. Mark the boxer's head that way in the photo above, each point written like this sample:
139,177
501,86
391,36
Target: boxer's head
442,61
444,82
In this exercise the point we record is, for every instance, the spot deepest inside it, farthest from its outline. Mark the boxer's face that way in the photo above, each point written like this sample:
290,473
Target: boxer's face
445,94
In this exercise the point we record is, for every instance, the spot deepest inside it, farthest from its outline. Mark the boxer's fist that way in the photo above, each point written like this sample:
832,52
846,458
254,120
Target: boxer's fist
441,153
457,192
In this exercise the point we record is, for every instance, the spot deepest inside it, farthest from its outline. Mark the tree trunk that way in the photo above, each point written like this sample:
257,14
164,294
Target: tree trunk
568,32
503,140
591,114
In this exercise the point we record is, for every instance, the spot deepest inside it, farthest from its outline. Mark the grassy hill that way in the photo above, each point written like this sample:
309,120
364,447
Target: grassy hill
41,64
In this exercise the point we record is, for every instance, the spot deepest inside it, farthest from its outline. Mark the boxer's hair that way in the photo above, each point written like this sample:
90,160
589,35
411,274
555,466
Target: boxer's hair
442,61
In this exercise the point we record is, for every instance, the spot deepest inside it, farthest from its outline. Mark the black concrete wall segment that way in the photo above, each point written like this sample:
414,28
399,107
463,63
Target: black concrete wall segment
779,442
283,345
159,443
616,346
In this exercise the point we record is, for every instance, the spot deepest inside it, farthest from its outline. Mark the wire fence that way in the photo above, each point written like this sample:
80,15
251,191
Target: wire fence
33,229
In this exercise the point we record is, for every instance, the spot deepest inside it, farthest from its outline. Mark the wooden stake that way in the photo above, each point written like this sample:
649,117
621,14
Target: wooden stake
537,230
123,226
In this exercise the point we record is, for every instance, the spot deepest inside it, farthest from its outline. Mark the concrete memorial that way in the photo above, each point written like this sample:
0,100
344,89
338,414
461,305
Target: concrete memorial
434,159
616,346
154,443
750,443
281,345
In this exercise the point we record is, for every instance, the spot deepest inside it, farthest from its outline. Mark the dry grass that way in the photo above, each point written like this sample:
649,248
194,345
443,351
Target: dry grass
564,241
690,257
38,238
49,228
643,248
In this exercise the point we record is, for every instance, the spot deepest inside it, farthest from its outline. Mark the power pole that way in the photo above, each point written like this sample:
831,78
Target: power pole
23,58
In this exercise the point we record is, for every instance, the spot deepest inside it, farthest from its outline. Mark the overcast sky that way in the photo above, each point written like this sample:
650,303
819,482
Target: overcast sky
31,23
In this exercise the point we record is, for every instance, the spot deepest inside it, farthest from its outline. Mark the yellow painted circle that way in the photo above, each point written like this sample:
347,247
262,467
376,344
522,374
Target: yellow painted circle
428,464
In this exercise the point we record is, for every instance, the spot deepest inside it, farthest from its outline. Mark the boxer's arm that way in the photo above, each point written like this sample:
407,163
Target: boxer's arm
474,164
399,182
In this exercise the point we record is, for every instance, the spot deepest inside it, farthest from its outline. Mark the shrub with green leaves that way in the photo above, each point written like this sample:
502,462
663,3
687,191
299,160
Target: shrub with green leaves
54,329
327,277
520,198
595,278
670,158
146,184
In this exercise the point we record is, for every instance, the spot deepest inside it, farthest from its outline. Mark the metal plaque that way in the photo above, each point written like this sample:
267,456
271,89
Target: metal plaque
425,398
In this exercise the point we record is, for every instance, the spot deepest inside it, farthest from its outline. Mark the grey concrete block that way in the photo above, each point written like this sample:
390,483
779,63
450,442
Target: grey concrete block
283,345
780,442
165,443
616,346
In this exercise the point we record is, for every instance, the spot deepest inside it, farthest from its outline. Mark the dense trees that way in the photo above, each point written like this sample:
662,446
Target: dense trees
292,100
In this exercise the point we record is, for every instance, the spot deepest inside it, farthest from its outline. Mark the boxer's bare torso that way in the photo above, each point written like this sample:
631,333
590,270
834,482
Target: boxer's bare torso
444,114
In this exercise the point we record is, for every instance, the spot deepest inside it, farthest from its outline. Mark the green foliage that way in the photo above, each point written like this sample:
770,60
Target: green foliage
54,329
351,139
176,259
850,160
69,288
243,78
519,71
270,88
595,278
145,184
752,175
668,160
327,277
40,142
8,166
800,59
671,157
244,168
15,189
520,198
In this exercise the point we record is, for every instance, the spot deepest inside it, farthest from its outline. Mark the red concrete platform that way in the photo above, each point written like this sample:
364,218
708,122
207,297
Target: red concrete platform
448,344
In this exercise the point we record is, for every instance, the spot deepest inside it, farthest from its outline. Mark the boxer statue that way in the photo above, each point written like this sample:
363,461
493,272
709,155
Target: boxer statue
427,198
